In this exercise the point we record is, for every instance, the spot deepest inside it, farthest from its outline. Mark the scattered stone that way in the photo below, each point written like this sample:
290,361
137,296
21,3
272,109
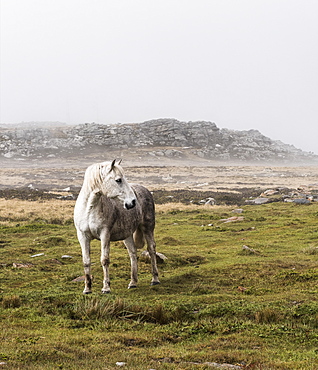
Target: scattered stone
270,192
288,200
207,201
119,363
245,248
37,255
210,202
217,365
200,185
80,279
222,366
232,219
238,210
166,360
241,289
167,178
66,256
160,256
54,261
67,197
22,265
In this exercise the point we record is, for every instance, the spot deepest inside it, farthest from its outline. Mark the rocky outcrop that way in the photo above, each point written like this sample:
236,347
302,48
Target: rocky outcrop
160,138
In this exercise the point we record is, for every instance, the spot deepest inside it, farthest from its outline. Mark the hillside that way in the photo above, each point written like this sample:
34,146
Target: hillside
156,140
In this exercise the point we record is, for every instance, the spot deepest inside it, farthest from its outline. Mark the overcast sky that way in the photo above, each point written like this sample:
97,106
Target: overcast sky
243,64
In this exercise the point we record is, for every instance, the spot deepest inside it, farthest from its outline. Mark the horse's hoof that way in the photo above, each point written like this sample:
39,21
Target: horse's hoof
105,291
132,287
155,283
87,292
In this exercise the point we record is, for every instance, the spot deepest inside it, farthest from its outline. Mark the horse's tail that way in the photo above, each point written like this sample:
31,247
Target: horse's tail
139,238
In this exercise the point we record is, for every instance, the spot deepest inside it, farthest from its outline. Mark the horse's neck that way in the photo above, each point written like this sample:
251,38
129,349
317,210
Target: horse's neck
89,199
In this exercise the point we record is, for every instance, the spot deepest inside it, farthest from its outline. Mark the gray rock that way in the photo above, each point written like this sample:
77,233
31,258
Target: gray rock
202,139
259,201
302,201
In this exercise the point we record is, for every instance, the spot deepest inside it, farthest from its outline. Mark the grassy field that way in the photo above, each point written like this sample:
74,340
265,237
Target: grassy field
256,308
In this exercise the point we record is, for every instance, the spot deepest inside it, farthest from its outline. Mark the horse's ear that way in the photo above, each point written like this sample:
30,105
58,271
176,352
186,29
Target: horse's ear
112,165
119,161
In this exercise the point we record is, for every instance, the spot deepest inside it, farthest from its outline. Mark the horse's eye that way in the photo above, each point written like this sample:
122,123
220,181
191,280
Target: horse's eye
119,181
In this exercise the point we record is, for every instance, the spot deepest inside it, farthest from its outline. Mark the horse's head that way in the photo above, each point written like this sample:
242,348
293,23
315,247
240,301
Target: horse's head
114,184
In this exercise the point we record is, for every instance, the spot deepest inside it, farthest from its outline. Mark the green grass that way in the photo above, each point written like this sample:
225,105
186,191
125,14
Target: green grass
216,302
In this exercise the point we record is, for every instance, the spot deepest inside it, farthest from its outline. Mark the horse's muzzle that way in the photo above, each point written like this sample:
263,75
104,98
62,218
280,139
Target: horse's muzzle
130,205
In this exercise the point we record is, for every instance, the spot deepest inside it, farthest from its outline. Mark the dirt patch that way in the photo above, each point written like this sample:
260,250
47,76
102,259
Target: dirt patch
174,175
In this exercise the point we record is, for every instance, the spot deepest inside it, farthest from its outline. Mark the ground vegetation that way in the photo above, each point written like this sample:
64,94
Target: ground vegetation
238,290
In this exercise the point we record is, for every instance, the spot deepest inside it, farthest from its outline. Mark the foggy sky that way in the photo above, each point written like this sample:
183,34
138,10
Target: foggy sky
247,64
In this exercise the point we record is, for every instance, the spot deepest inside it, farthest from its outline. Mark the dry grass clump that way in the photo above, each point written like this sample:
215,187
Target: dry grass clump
50,211
181,207
98,309
12,301
312,250
267,316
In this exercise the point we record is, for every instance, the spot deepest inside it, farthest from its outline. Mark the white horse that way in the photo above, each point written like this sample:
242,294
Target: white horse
109,209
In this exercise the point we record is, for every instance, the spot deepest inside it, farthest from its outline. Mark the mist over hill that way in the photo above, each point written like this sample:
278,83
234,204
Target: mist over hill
156,139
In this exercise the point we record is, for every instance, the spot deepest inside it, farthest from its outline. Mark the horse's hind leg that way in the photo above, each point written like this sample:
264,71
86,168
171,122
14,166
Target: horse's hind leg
130,245
151,246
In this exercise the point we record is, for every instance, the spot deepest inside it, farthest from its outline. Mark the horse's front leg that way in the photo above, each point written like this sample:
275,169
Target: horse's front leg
85,246
105,250
130,245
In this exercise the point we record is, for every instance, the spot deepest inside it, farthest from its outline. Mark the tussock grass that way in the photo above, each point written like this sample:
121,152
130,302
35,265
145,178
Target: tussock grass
98,309
312,250
267,316
12,301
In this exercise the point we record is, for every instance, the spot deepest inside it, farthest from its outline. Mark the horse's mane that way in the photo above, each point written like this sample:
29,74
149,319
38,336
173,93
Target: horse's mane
93,175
